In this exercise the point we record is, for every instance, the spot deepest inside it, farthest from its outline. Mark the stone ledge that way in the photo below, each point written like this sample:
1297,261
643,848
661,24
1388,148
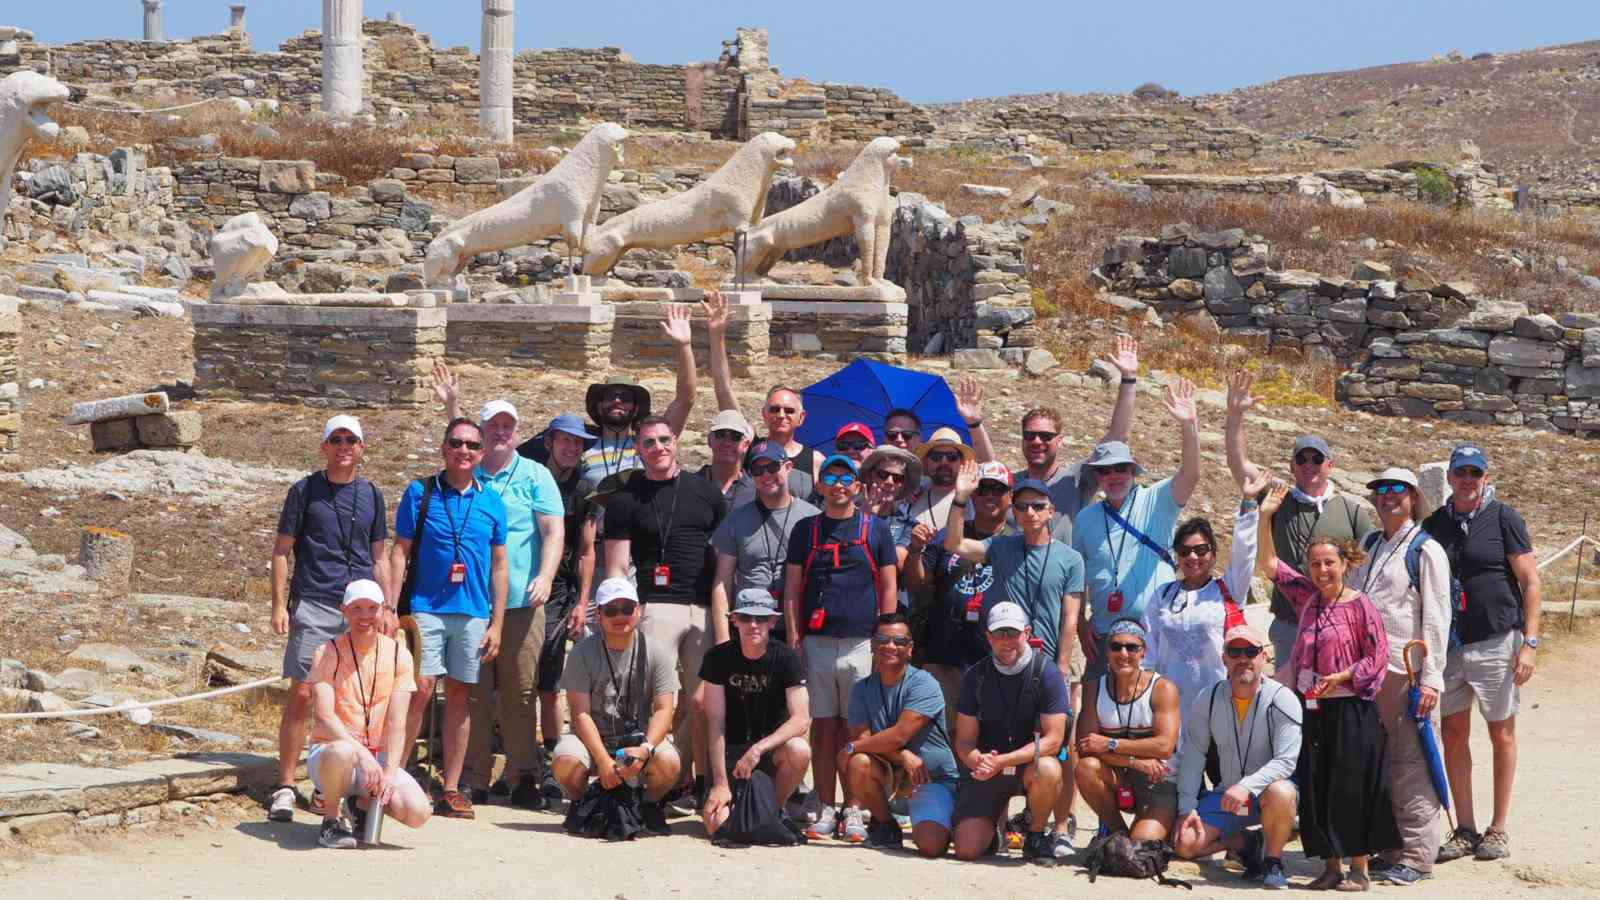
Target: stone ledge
514,313
223,316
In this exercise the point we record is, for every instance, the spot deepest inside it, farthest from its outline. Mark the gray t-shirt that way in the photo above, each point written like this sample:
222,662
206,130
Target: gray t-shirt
1034,578
1071,489
611,679
758,539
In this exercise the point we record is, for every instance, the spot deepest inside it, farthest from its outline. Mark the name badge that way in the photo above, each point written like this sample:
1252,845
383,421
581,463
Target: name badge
1009,770
458,573
975,608
1124,798
1114,601
1306,680
663,576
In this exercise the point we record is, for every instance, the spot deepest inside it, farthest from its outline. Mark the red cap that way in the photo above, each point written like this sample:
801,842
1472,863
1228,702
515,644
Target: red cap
855,428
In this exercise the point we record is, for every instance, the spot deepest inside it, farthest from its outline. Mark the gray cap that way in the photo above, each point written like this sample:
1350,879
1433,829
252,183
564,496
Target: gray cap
755,602
1311,442
1111,453
1395,473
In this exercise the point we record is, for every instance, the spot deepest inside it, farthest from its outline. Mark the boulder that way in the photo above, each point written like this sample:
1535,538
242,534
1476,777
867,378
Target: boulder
1220,285
1038,361
114,435
1226,239
1371,270
1493,315
1538,327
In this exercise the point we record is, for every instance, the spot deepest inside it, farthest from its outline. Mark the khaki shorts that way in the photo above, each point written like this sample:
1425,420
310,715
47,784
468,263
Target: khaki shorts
1487,670
833,666
571,745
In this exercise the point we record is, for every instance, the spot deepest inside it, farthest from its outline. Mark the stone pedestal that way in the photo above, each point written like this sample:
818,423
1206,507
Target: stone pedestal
574,337
152,20
10,409
639,340
341,58
325,355
495,70
107,558
844,328
577,290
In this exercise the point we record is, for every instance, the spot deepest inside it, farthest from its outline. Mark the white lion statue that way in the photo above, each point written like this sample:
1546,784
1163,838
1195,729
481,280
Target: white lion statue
564,200
732,199
25,101
240,251
857,203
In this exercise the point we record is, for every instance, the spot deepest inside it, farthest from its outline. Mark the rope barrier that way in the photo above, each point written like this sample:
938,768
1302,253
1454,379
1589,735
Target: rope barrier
135,704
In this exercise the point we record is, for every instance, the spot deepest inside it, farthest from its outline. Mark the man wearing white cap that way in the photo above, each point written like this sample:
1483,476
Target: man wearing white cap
334,523
534,538
729,437
361,682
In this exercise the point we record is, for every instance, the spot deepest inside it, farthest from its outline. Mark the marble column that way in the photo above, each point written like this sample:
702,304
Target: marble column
152,20
341,57
495,70
236,17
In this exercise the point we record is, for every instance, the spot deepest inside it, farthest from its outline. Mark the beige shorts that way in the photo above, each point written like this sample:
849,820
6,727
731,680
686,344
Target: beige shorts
571,745
1487,670
833,666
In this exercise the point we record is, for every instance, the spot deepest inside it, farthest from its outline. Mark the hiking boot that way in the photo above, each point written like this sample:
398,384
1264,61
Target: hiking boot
1061,844
654,818
1016,828
528,796
280,806
1250,856
854,830
1272,877
1398,874
885,836
335,835
1496,844
823,825
1464,842
1037,849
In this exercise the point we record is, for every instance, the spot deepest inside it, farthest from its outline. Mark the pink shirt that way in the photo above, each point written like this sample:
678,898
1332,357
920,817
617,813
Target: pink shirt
1334,637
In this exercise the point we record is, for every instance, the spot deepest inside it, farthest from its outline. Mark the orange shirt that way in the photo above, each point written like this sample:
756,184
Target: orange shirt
1241,707
362,705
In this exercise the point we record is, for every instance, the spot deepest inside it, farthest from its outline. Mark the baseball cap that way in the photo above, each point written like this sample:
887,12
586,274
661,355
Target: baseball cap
496,407
839,459
1311,442
1030,484
993,471
569,423
1007,615
856,428
755,602
614,589
732,420
1113,453
362,589
1464,455
768,451
1247,633
343,422
1395,473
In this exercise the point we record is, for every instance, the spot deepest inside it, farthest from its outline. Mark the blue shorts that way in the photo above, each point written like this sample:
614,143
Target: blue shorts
1226,823
450,645
933,802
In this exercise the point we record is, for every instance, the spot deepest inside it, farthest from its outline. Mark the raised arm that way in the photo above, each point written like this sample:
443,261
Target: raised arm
1179,402
715,306
969,403
1246,524
955,524
916,570
1240,401
444,388
677,330
1125,357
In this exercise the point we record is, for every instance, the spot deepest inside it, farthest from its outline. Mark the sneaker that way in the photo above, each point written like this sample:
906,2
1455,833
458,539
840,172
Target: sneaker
1072,827
528,796
823,825
500,788
335,835
454,805
1272,877
551,788
654,818
1496,844
854,830
1398,874
280,808
1377,865
1037,849
1016,828
1463,842
480,797
885,836
1061,844
1251,856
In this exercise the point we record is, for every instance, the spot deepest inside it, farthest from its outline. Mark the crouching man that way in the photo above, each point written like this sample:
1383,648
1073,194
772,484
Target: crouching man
358,736
620,694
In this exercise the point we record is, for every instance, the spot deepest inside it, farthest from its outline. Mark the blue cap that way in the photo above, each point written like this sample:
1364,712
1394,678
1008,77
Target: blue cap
569,423
1468,455
839,459
766,450
1030,484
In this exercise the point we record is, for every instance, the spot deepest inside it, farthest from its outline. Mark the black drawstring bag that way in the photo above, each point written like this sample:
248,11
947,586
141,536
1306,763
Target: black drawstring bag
613,814
1120,855
756,816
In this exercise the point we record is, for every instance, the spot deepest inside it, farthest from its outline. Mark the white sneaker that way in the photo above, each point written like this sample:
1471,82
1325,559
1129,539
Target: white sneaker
823,825
855,825
281,807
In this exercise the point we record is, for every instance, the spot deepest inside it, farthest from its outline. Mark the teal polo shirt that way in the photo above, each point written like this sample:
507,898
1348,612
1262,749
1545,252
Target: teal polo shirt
527,490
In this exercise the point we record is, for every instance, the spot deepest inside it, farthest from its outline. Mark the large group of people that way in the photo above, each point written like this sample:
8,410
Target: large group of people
909,623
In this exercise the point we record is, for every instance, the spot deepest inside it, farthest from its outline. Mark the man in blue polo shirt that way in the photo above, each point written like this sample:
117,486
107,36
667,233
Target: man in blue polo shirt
534,537
458,595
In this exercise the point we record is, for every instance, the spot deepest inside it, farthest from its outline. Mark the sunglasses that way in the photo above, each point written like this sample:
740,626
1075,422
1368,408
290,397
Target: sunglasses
884,640
776,410
1390,487
458,443
1195,550
746,619
848,446
1006,634
1471,472
648,443
617,397
344,439
1243,652
992,489
891,477
727,434
1311,458
1120,647
895,434
1115,469
1041,436
1032,505
944,456
613,610
838,479
765,468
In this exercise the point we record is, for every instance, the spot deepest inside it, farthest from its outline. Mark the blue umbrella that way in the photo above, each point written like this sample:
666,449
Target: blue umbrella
865,391
1430,744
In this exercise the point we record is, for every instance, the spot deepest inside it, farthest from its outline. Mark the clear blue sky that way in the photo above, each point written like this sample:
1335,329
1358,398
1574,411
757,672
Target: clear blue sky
922,51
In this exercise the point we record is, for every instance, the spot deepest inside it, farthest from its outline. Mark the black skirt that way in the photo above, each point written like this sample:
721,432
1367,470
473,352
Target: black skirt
1343,776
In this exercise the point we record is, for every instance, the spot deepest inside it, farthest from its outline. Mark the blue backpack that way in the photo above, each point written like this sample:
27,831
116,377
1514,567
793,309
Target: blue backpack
1413,558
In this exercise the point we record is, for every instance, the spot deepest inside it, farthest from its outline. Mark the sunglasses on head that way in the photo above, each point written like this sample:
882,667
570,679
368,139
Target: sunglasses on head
1120,647
340,439
1243,652
1472,472
1116,469
1309,458
1390,487
838,479
902,434
1031,505
458,443
1195,550
623,608
727,434
944,456
776,410
765,468
884,640
649,442
891,477
1044,437
992,489
847,446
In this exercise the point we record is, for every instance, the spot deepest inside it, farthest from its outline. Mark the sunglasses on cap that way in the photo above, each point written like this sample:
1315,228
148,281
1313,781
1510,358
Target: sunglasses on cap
838,479
621,608
727,434
902,434
944,456
847,446
884,640
458,443
1194,550
1243,652
1120,647
1309,458
764,468
1115,469
342,439
1044,437
1390,487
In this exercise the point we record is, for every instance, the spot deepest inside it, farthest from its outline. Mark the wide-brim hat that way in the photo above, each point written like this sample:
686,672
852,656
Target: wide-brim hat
945,437
641,397
890,453
1112,453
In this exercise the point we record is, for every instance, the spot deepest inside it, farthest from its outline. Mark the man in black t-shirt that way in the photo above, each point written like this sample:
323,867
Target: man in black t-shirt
663,522
1498,627
755,707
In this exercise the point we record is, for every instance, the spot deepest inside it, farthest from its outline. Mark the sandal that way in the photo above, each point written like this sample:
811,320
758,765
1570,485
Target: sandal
1354,884
454,805
1327,881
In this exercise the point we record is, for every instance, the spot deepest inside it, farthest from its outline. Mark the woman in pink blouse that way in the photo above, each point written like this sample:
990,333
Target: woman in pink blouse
1339,661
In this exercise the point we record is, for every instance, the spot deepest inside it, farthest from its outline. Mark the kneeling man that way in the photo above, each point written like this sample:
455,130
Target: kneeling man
359,686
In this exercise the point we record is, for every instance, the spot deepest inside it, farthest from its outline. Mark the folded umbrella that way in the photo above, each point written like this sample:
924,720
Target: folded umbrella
1430,743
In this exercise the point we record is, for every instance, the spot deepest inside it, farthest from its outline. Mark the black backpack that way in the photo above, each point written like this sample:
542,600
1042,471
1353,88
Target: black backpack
756,817
1121,856
613,814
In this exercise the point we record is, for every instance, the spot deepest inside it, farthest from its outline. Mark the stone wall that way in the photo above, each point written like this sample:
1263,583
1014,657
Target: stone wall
837,112
570,338
10,408
1473,185
638,341
116,194
1165,134
839,330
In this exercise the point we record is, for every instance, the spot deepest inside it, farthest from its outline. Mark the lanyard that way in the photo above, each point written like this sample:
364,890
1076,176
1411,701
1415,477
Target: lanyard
766,532
1124,719
346,537
1122,539
1009,710
367,701
1250,736
455,533
619,690
1377,564
664,529
621,446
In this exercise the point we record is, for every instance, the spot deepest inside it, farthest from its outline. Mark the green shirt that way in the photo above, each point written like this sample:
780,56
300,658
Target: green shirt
1343,518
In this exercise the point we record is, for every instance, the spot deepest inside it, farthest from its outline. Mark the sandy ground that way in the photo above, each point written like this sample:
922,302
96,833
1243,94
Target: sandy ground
508,852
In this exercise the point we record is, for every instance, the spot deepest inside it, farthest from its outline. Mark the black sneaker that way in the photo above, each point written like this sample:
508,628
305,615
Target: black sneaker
528,796
1255,844
1039,849
335,835
551,788
479,797
885,835
500,788
654,819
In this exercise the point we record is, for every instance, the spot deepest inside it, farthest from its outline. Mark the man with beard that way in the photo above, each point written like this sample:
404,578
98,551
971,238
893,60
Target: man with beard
942,457
782,412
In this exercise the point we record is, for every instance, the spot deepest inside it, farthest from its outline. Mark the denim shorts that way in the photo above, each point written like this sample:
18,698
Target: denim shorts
1227,823
450,645
933,802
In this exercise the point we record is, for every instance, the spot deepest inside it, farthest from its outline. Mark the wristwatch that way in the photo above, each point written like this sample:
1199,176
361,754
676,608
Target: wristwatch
1531,642
1111,745
849,748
